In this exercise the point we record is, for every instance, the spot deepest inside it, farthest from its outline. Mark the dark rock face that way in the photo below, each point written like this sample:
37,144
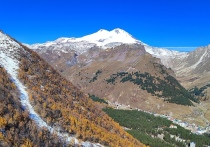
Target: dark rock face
73,60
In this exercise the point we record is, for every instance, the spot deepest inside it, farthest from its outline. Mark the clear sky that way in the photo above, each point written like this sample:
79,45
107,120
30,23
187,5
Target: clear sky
160,23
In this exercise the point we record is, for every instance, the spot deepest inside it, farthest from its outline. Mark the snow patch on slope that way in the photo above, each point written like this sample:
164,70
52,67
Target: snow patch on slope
12,67
199,61
165,55
9,51
158,52
8,44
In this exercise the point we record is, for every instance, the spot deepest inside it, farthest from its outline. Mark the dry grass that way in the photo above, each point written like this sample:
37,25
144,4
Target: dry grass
124,59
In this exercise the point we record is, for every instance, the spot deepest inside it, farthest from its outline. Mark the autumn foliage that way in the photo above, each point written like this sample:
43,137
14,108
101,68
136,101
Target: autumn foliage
16,128
62,105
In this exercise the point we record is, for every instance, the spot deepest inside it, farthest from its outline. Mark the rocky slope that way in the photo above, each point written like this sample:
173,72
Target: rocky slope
98,69
195,63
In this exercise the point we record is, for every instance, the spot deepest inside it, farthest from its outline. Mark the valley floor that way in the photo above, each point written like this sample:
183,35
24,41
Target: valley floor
156,130
196,129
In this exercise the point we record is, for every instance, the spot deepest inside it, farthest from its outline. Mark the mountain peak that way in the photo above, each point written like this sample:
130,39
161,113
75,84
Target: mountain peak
118,31
7,42
102,30
102,38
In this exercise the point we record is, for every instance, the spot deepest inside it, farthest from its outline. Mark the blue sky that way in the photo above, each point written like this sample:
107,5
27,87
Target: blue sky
160,23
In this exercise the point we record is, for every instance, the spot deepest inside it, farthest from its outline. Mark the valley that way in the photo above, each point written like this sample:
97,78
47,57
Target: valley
105,73
109,69
196,129
155,130
80,64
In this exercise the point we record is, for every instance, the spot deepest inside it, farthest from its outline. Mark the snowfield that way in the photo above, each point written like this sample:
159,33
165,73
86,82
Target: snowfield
9,53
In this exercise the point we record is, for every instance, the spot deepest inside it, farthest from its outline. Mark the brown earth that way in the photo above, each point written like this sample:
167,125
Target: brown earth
124,58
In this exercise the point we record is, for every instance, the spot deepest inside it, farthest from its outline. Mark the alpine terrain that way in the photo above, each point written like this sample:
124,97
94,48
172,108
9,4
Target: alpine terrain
38,111
131,74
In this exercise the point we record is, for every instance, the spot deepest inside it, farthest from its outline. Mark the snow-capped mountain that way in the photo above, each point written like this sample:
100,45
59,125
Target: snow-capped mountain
103,39
63,49
166,56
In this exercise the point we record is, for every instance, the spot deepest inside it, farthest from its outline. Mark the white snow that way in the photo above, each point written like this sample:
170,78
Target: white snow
103,38
8,44
165,55
200,60
12,66
9,53
160,52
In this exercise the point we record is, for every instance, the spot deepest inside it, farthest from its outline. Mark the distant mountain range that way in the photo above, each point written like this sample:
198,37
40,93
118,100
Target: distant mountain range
185,64
103,39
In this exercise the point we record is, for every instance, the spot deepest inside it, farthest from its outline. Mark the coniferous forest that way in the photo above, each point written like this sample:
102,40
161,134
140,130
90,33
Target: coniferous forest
146,128
169,88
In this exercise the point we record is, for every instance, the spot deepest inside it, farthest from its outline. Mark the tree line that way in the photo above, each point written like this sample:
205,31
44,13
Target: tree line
167,88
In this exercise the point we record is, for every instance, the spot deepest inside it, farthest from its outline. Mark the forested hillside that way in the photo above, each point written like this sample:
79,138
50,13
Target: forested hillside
60,104
16,128
168,88
200,93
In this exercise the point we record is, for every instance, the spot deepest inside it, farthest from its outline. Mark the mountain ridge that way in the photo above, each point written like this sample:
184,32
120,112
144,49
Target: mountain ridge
101,38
